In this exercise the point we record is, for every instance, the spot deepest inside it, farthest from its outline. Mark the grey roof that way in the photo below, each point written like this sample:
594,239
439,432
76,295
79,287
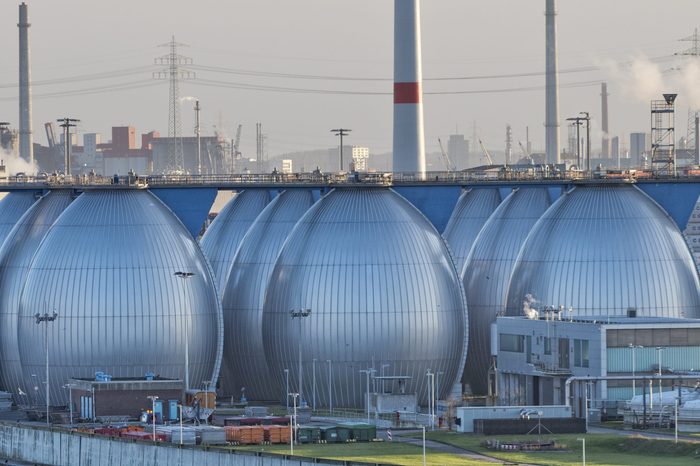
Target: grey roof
602,249
244,354
15,258
382,289
473,209
487,271
225,233
107,267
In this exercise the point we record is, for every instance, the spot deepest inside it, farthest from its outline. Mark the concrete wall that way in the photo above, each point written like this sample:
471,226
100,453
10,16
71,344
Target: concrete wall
53,447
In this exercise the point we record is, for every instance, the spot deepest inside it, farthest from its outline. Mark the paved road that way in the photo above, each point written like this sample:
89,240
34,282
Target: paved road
400,436
641,433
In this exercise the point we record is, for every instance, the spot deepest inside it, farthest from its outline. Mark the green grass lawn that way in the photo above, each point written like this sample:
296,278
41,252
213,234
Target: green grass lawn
373,452
601,449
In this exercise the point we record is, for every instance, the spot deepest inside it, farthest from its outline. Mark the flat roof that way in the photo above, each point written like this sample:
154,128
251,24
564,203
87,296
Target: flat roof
608,320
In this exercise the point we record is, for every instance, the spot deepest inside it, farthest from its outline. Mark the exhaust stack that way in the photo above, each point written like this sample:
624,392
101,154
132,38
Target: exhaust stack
606,129
26,146
552,84
409,140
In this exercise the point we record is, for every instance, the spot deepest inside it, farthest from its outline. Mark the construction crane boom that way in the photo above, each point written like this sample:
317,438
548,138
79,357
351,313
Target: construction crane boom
525,152
237,153
446,158
487,156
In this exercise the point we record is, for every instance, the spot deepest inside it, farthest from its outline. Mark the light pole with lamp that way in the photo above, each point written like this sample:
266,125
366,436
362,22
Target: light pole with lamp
368,372
153,399
185,276
431,399
293,427
659,349
179,405
330,386
313,389
286,376
384,366
634,384
39,319
583,441
70,386
300,314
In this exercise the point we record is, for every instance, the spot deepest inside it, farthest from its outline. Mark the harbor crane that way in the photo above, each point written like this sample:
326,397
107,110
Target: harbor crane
237,153
526,154
487,156
446,158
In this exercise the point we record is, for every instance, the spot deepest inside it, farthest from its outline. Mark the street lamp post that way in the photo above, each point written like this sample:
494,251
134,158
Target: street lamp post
383,381
181,430
300,314
659,349
69,386
39,319
368,372
330,386
185,276
286,377
583,441
293,427
634,385
313,389
431,398
153,399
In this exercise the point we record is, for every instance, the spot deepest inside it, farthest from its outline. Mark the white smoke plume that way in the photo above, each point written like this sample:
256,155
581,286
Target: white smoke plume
645,80
528,310
15,164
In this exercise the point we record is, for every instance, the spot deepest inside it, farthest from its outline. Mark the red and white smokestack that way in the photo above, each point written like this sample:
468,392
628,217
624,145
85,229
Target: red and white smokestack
409,140
26,146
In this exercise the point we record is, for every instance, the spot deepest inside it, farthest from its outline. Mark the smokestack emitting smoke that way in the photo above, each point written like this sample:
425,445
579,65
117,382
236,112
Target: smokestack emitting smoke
604,119
409,143
26,146
552,85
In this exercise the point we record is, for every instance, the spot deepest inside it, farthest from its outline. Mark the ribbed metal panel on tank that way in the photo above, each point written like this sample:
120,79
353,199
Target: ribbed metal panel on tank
473,209
382,290
12,207
225,233
15,258
244,353
107,268
603,249
487,271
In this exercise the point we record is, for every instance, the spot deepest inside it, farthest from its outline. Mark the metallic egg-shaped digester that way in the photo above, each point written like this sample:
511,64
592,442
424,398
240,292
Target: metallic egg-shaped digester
225,233
244,352
382,296
109,268
600,250
16,255
487,271
473,209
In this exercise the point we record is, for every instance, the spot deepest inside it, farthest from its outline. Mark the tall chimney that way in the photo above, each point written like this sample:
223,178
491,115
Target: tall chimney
26,147
409,143
552,85
606,129
697,138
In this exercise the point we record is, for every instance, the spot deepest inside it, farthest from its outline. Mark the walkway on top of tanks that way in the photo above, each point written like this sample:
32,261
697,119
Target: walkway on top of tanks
325,181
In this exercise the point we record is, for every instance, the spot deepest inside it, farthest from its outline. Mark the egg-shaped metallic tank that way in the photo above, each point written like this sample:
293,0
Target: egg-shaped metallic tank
603,249
244,352
15,258
487,271
381,293
108,267
473,209
225,233
12,207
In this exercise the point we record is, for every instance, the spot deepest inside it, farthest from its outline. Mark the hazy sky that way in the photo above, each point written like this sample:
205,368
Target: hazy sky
91,39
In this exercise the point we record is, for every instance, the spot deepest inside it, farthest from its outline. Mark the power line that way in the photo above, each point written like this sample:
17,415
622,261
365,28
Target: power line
94,90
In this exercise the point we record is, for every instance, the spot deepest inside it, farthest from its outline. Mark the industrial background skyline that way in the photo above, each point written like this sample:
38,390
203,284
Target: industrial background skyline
106,58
